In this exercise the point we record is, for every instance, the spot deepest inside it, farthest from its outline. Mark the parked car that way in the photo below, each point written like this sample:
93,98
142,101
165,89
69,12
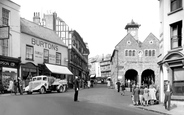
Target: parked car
43,84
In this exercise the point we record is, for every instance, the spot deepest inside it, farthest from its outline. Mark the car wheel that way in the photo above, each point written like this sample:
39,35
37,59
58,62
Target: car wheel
64,88
151,102
60,89
42,90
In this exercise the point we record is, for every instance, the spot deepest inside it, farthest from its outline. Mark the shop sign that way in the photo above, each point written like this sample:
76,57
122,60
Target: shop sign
8,64
44,44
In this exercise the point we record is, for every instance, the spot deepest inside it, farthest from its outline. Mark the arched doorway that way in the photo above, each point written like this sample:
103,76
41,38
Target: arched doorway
148,77
130,76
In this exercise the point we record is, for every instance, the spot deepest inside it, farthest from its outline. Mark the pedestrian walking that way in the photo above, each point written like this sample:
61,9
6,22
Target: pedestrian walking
146,95
141,93
108,83
118,85
10,88
85,84
15,87
19,85
122,89
89,83
76,89
168,93
136,95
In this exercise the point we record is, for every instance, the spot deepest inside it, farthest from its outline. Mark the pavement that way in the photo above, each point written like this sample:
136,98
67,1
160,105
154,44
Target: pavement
177,108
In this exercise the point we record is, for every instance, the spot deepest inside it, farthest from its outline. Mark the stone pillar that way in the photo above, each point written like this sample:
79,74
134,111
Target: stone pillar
164,72
161,85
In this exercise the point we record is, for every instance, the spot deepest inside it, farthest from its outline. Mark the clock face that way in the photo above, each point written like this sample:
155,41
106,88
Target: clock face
133,33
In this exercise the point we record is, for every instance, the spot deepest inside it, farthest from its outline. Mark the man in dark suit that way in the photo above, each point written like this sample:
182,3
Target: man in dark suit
118,85
76,89
168,93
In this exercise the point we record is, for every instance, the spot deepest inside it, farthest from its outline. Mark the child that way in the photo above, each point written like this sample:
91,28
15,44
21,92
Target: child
132,97
122,89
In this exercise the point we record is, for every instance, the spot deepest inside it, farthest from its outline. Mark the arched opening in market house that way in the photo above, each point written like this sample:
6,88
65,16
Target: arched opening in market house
148,77
131,77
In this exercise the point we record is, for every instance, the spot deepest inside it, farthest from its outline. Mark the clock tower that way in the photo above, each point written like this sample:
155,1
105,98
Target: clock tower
132,28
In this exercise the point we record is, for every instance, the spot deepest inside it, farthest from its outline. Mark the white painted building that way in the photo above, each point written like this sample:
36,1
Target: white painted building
171,57
10,16
9,42
42,52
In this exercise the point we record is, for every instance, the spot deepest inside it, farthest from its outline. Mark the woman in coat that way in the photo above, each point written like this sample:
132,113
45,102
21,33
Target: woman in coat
15,86
146,95
136,95
141,93
10,86
152,93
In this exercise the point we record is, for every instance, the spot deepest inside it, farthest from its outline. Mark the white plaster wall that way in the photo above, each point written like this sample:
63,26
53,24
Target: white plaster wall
38,59
166,20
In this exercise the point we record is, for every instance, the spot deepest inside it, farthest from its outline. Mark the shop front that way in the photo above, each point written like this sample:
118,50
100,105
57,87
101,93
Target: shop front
9,70
28,70
172,69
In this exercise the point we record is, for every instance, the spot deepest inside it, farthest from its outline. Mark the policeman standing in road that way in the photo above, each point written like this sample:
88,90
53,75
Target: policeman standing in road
76,89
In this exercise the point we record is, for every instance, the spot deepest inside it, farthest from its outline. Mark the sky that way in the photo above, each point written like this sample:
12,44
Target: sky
100,23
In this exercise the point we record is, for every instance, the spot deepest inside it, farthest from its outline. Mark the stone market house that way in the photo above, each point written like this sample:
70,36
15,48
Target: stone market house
133,60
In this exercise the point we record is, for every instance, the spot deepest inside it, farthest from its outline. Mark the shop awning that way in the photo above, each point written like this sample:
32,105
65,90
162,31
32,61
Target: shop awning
58,69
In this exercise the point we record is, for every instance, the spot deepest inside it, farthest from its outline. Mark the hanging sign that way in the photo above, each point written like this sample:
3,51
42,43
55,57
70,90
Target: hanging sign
4,32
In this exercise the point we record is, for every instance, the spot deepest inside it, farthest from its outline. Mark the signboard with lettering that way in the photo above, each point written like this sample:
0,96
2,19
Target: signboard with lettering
4,32
39,54
8,64
44,44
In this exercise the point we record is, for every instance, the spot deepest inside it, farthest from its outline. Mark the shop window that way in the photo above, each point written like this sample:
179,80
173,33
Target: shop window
29,52
176,4
178,81
46,56
176,35
58,58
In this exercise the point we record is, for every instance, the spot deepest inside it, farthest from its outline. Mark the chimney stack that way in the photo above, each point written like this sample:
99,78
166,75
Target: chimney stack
36,18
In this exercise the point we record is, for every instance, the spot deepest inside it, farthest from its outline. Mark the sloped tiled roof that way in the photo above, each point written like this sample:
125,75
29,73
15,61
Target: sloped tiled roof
36,30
